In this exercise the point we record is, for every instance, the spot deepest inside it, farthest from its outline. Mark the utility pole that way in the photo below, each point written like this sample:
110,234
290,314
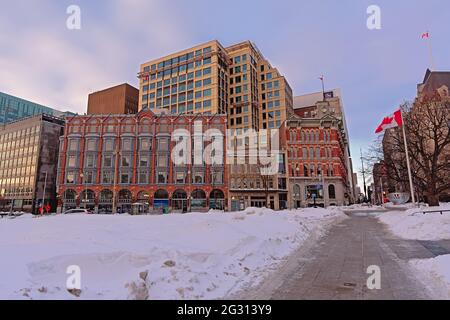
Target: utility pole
116,167
363,174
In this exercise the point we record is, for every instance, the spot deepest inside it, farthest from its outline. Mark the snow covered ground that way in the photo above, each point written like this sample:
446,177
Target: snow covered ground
192,256
435,272
413,224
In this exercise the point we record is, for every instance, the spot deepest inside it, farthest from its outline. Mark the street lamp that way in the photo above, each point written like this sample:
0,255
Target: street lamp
188,200
322,179
297,195
85,190
43,193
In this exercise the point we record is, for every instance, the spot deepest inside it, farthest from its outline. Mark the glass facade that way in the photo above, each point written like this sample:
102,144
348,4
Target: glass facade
28,158
18,159
13,108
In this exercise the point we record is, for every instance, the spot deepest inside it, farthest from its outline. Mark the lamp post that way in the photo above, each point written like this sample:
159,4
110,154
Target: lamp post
296,195
115,173
322,178
85,190
364,175
188,200
43,192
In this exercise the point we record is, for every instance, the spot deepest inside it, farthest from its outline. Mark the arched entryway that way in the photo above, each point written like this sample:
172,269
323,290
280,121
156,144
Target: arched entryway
179,200
198,201
69,200
124,202
142,204
143,197
105,202
331,191
87,199
217,199
161,199
296,196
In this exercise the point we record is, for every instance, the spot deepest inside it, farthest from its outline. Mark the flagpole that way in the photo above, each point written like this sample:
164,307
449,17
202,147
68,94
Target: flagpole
411,187
381,192
323,87
430,48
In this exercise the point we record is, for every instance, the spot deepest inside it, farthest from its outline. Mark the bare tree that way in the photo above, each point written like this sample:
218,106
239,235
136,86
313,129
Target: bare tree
426,123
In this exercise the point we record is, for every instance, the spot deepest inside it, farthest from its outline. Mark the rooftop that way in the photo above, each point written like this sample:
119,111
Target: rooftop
310,99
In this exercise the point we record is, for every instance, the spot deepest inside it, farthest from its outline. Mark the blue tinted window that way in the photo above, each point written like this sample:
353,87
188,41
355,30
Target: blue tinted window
206,71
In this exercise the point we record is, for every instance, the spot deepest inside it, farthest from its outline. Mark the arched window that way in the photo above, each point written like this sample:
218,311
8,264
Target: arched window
331,191
70,195
296,191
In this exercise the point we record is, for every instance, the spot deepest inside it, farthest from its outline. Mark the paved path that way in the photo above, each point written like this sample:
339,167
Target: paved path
335,268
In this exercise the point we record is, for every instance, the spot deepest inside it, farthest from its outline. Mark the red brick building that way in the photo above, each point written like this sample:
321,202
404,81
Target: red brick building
317,160
381,182
121,99
126,162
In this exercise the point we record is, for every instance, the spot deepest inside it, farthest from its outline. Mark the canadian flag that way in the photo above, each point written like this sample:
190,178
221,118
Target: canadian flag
425,35
392,121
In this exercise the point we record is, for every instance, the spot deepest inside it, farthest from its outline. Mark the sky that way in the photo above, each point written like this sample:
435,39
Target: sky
43,61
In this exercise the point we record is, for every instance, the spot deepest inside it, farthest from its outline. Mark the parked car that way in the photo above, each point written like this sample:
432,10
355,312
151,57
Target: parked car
72,211
104,211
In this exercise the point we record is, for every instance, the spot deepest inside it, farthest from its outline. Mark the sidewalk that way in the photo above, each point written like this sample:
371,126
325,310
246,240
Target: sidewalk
336,267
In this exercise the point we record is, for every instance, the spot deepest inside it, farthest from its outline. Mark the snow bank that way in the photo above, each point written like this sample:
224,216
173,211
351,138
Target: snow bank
191,256
413,224
435,273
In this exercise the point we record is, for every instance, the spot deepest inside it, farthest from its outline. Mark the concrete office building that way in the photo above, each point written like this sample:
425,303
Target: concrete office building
28,158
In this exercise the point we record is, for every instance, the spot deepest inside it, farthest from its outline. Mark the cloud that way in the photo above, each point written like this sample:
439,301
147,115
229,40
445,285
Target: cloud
45,62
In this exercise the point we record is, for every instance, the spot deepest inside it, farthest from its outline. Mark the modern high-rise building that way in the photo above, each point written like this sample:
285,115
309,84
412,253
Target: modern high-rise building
28,162
121,99
210,78
14,108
